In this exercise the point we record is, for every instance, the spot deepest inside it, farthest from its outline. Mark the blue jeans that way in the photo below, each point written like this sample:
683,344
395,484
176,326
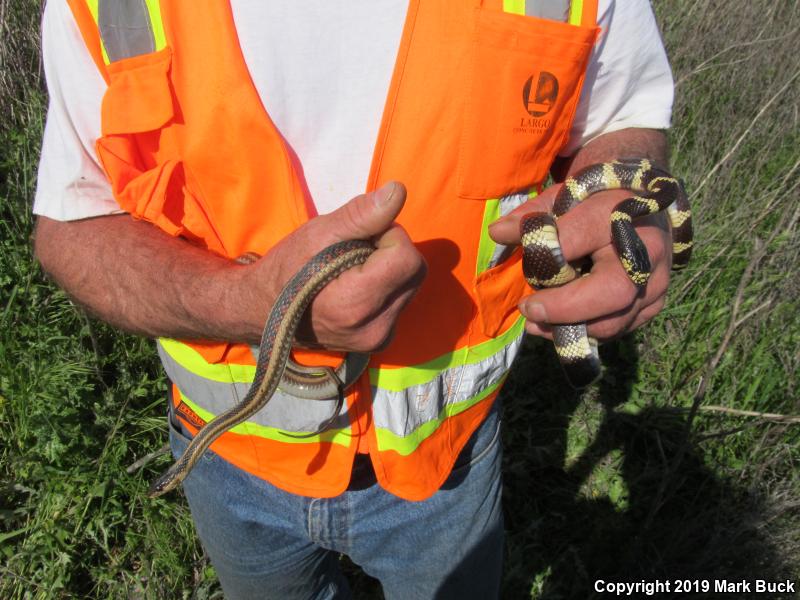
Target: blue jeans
267,543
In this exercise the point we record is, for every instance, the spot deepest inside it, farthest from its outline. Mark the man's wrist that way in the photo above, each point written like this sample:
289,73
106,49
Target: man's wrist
624,143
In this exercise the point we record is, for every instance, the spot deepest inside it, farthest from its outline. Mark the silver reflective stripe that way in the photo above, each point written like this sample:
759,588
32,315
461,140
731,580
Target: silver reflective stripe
125,28
405,411
400,412
283,411
555,10
507,204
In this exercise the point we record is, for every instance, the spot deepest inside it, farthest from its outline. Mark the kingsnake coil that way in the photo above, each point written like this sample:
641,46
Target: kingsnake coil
543,262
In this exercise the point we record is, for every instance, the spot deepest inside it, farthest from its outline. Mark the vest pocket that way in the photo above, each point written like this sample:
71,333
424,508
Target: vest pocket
497,293
522,91
138,108
139,96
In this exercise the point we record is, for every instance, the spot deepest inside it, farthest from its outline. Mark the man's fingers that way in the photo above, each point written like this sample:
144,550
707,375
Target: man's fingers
607,328
587,227
396,265
365,217
357,311
648,312
506,229
581,231
362,218
604,291
376,333
605,299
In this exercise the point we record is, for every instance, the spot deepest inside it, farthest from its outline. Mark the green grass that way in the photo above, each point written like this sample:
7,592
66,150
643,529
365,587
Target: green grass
638,478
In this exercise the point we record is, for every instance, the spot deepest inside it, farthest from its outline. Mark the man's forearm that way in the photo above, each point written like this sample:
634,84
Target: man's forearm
138,278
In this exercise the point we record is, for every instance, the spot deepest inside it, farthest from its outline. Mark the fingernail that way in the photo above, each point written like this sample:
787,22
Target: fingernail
384,195
496,223
534,311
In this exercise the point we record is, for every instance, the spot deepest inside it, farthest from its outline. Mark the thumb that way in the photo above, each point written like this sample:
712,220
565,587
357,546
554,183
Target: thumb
367,215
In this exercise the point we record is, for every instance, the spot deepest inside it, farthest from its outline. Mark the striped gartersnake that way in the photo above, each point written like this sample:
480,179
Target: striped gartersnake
274,350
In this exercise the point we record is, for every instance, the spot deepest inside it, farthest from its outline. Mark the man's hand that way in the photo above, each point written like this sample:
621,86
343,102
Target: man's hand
605,299
138,278
356,311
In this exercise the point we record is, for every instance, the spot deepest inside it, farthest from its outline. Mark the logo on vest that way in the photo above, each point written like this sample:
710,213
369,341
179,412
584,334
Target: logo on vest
538,101
187,413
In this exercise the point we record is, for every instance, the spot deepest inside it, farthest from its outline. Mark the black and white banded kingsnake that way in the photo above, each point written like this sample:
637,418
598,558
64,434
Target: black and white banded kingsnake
543,262
544,266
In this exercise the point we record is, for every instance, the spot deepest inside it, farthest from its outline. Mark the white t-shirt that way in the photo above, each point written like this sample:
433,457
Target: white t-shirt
340,50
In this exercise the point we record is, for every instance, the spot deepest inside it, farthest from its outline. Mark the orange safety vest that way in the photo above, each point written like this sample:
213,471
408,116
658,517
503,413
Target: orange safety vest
481,101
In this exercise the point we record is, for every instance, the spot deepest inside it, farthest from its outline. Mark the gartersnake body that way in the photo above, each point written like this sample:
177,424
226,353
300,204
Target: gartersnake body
276,344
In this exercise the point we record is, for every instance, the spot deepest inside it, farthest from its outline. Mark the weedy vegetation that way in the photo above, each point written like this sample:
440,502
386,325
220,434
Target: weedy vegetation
680,464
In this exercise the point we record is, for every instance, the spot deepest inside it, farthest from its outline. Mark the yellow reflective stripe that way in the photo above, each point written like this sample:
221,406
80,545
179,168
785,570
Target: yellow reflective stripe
396,380
343,437
576,12
514,6
190,359
486,246
154,8
92,4
156,24
493,210
94,10
407,444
